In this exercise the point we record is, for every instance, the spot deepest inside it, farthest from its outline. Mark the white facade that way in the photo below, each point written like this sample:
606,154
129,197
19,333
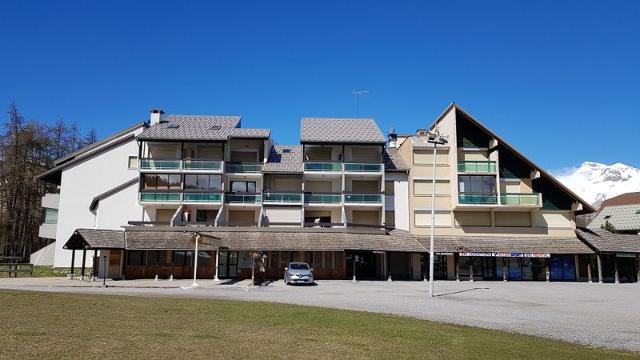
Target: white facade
400,199
48,229
94,173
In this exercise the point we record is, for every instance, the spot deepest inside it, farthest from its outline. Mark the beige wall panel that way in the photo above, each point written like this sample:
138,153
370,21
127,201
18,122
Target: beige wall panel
318,186
242,217
424,219
165,214
472,218
553,219
514,219
422,157
427,171
365,217
424,187
442,202
472,156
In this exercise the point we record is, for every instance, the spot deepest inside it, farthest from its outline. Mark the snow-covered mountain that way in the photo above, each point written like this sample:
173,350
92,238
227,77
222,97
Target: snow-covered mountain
595,182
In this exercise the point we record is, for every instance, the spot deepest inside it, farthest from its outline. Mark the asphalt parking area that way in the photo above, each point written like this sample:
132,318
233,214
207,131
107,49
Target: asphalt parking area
605,315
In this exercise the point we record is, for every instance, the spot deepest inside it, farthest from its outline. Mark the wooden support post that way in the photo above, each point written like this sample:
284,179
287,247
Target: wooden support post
615,269
589,272
84,260
599,268
215,276
547,273
505,270
73,262
470,271
638,268
457,267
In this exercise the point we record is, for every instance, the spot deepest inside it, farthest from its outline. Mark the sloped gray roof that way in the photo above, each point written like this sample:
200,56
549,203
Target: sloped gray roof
622,217
605,241
337,130
275,239
393,162
200,127
95,239
284,159
570,245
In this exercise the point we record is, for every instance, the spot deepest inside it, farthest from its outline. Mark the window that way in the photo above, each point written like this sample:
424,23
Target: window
389,188
161,182
132,162
319,220
50,216
477,184
423,218
202,182
155,258
182,258
135,258
243,186
390,218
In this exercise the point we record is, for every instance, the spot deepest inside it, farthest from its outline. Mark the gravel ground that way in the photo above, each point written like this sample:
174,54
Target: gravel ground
605,315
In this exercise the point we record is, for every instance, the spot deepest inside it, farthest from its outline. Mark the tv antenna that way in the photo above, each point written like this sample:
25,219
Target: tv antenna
358,94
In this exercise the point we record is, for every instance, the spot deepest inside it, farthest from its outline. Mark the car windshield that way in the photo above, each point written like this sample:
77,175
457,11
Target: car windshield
295,266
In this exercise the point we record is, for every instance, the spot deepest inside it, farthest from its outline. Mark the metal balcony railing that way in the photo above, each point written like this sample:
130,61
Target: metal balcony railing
211,165
282,198
323,166
322,198
363,198
173,197
480,199
487,167
157,164
202,197
531,199
232,198
244,168
362,167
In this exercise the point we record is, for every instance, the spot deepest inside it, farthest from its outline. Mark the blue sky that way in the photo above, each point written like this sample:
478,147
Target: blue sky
560,80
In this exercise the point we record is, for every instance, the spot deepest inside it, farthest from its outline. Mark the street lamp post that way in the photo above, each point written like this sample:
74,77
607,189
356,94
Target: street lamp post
436,139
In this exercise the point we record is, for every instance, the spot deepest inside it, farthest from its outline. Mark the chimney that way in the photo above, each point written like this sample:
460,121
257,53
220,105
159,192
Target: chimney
393,139
155,115
421,132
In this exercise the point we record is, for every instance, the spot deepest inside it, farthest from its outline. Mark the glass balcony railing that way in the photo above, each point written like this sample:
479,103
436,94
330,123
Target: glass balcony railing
244,168
520,199
480,199
160,197
362,167
363,198
153,164
322,198
232,198
210,165
281,198
323,166
202,197
477,167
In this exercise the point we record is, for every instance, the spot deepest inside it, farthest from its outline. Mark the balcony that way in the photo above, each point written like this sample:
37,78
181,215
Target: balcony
160,197
323,166
156,164
246,199
477,199
282,198
363,167
371,199
204,198
202,165
244,168
530,199
482,167
330,199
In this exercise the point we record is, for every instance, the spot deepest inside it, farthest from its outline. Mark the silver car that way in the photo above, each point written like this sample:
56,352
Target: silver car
298,273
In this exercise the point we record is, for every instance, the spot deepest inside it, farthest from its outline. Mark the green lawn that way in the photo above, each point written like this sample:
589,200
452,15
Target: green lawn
49,271
52,326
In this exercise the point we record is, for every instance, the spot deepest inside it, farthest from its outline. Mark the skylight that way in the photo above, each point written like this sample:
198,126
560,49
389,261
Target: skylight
607,217
216,127
173,126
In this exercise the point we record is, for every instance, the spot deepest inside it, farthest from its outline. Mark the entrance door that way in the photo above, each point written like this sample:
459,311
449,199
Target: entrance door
228,264
562,267
627,269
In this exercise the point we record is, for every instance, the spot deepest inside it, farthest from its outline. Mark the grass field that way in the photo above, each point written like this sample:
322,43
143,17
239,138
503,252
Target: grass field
52,326
49,271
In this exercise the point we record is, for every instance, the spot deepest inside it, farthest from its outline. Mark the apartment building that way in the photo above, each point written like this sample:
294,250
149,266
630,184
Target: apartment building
323,201
347,200
498,216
